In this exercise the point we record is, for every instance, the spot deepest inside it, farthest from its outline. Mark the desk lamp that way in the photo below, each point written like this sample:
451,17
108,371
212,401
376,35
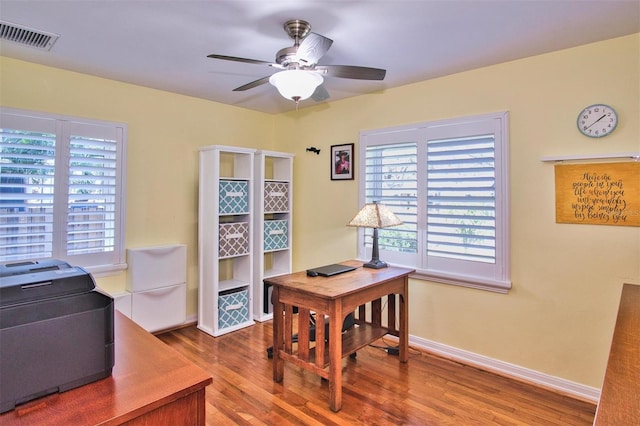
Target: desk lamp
375,215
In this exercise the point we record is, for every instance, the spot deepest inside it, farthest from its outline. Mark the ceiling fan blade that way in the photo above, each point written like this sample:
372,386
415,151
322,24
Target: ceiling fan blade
350,71
312,48
253,84
236,59
320,94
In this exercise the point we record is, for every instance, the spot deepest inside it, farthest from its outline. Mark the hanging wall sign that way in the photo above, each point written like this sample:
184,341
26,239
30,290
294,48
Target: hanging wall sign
598,194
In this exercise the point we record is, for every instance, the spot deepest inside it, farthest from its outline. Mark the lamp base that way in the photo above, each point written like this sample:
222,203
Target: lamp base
375,264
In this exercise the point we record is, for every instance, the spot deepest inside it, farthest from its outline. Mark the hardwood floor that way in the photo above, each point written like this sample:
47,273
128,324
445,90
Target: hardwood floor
377,389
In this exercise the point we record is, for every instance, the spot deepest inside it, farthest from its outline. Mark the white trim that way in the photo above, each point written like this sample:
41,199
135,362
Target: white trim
567,387
462,280
635,156
64,127
449,278
106,270
492,276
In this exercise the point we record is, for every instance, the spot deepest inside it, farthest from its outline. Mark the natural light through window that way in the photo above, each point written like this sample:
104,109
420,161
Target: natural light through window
448,182
62,184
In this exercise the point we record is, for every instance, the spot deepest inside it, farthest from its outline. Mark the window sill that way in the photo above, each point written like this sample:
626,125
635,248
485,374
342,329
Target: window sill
106,270
455,279
462,280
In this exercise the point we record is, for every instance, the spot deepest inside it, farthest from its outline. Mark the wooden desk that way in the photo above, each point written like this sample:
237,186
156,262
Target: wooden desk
150,384
620,396
336,297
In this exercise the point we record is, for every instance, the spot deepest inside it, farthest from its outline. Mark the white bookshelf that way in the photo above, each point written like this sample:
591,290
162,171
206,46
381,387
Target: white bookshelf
225,239
273,225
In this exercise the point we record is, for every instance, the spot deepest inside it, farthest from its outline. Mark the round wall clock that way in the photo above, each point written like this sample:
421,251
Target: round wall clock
597,120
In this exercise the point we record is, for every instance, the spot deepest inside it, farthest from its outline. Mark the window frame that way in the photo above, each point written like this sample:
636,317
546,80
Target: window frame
495,277
65,128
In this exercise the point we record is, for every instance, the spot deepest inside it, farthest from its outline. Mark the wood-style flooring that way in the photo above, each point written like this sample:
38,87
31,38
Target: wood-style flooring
377,389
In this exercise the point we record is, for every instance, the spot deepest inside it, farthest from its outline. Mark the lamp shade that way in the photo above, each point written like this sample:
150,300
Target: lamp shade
374,215
296,85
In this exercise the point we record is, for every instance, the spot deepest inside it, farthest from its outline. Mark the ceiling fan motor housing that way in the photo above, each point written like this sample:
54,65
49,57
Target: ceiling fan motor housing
285,56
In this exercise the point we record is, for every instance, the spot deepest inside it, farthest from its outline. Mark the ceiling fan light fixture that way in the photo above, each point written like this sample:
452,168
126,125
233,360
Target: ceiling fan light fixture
296,85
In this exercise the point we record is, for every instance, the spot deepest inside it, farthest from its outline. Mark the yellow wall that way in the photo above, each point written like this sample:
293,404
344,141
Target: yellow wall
165,132
558,317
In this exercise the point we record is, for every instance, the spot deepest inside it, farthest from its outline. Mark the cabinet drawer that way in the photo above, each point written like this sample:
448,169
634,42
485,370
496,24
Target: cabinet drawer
276,235
160,309
233,308
233,239
234,197
155,267
276,197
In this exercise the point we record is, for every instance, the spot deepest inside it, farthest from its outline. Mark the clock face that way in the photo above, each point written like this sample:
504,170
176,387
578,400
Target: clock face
597,121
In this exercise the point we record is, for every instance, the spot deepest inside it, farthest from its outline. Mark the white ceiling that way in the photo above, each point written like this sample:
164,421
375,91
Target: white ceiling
163,44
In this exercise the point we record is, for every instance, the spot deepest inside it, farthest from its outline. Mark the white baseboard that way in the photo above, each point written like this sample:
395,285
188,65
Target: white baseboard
509,370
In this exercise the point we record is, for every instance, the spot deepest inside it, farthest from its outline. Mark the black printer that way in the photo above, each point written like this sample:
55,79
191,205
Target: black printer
56,330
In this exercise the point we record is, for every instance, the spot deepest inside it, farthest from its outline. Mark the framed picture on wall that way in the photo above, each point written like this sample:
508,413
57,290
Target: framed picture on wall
342,162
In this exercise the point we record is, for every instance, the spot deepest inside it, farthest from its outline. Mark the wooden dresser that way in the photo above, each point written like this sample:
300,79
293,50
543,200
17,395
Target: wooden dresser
620,397
150,384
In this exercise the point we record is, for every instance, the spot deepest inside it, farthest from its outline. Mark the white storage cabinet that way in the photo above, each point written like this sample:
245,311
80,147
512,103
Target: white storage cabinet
225,239
122,302
157,281
273,229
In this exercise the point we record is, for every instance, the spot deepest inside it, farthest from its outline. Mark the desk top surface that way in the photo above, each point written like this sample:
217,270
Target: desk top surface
341,284
147,374
620,397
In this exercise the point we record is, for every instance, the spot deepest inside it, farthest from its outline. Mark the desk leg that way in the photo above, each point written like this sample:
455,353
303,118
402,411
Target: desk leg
335,356
278,335
404,322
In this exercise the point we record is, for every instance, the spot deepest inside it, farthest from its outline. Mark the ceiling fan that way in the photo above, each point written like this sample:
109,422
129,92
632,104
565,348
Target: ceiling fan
301,77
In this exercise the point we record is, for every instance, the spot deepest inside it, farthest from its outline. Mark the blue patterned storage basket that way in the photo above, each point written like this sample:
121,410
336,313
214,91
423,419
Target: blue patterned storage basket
234,197
276,235
233,308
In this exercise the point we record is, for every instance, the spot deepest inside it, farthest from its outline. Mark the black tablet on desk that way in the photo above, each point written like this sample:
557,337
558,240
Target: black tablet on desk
330,270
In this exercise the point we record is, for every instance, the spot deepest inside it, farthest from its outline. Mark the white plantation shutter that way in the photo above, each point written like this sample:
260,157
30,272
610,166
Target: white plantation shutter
448,183
461,198
67,194
27,175
391,179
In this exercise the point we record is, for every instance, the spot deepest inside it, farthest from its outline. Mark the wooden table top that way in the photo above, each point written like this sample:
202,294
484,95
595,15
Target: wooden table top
147,374
620,397
338,285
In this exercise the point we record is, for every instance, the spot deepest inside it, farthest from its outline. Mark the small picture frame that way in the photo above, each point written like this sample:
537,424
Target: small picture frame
342,162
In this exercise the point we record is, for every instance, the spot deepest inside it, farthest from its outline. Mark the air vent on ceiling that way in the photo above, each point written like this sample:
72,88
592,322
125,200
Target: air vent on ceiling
27,36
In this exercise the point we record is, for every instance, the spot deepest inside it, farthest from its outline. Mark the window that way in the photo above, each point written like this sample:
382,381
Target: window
448,182
62,186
